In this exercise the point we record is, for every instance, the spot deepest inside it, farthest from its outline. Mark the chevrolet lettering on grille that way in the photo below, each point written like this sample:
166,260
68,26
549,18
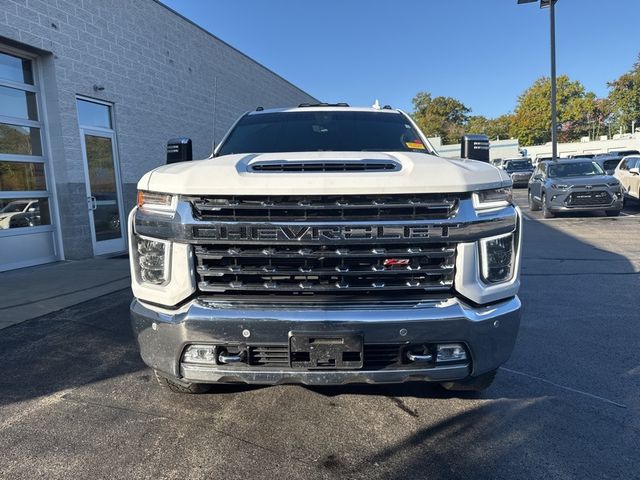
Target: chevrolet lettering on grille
321,233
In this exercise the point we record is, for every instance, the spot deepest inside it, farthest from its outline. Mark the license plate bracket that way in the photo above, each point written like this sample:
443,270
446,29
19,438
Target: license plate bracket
322,351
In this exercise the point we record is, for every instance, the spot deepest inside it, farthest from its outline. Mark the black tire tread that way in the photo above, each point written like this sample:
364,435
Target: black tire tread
533,205
473,384
175,387
546,213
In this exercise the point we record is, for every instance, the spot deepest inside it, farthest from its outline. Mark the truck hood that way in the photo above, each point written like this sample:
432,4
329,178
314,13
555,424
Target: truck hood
229,175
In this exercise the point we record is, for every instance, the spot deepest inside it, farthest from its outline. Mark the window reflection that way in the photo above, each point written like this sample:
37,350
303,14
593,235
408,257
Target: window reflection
20,140
16,176
102,178
92,114
15,69
24,212
18,103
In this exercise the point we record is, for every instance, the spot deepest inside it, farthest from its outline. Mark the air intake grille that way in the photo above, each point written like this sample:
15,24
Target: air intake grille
326,207
326,166
321,269
376,356
589,198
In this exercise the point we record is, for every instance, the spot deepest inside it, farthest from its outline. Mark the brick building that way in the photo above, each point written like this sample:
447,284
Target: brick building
90,91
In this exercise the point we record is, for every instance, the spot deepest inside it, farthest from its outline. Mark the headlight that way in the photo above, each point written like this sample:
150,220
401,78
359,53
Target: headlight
496,198
497,258
155,202
153,260
559,186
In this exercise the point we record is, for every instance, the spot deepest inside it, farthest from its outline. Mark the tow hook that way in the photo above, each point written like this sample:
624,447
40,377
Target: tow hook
224,357
412,357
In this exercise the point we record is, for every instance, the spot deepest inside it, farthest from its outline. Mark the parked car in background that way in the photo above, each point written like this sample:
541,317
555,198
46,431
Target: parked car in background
574,185
608,162
624,153
20,213
520,170
582,155
628,173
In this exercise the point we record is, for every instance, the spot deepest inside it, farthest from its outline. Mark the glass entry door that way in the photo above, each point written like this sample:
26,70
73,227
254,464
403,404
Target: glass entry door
104,198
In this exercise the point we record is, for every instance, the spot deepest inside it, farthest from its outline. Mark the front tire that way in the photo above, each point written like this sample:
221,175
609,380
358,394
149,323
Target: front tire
546,213
473,384
176,386
533,206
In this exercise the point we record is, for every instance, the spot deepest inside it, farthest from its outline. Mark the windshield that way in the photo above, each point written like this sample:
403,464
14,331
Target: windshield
575,169
611,164
518,165
14,207
323,131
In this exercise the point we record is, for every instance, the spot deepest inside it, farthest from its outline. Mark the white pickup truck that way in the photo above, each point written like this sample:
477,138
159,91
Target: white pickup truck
325,245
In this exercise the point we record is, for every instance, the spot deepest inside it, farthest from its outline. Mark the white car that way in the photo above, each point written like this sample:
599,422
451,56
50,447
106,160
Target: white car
15,208
325,245
628,173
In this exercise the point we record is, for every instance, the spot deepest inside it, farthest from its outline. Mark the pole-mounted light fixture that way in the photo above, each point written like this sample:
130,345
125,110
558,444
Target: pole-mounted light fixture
552,23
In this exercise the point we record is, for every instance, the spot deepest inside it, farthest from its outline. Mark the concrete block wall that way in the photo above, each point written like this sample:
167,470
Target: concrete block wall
159,71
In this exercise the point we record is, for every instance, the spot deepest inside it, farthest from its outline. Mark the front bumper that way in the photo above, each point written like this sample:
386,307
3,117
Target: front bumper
489,334
521,178
559,201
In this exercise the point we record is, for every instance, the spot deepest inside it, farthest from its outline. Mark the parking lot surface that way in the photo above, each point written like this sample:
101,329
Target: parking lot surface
77,402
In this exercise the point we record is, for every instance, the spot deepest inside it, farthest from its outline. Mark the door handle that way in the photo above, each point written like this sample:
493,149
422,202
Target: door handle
93,203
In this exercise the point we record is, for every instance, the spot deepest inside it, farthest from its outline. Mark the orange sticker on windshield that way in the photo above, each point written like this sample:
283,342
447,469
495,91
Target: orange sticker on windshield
415,145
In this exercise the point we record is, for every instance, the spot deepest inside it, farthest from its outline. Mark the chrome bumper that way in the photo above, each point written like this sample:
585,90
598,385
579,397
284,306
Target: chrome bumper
488,332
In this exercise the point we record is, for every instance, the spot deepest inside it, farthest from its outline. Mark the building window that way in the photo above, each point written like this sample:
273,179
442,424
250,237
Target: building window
27,232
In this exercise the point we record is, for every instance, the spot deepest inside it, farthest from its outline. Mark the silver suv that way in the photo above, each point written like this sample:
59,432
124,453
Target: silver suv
573,185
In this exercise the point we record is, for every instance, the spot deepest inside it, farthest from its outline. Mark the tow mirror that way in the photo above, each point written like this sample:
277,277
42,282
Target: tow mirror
475,147
179,150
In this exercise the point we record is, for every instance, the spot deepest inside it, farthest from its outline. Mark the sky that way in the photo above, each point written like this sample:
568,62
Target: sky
485,53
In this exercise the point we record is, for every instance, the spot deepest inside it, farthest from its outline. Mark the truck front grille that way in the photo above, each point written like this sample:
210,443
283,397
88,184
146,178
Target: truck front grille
324,269
339,208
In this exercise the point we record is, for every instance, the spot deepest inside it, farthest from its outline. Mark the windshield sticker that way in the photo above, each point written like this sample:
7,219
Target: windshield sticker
415,145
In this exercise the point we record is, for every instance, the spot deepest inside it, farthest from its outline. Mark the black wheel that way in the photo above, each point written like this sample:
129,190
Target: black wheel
176,386
546,213
473,384
612,213
533,206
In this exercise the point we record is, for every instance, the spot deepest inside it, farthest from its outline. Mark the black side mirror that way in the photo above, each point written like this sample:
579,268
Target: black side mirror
475,147
179,150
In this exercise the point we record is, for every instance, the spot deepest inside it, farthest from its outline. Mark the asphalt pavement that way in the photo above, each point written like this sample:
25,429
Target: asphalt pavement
77,402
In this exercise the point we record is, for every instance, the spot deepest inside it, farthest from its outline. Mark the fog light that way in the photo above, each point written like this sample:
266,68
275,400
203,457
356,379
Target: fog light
451,353
153,260
497,256
200,354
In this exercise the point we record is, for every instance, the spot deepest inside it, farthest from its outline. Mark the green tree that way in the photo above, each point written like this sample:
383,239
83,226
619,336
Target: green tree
440,116
494,128
624,98
532,118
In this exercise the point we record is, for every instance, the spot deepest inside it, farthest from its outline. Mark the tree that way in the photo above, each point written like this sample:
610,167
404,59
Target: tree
624,98
443,117
494,128
577,110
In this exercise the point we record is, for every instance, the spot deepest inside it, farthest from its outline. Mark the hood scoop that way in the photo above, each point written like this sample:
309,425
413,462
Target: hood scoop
317,166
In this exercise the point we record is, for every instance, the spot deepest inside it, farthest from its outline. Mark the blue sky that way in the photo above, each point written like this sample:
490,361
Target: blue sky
483,52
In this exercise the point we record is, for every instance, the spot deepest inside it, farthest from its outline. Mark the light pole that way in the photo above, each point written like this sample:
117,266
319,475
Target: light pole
551,4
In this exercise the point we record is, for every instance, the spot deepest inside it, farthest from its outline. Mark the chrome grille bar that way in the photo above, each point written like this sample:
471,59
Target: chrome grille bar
327,207
282,269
